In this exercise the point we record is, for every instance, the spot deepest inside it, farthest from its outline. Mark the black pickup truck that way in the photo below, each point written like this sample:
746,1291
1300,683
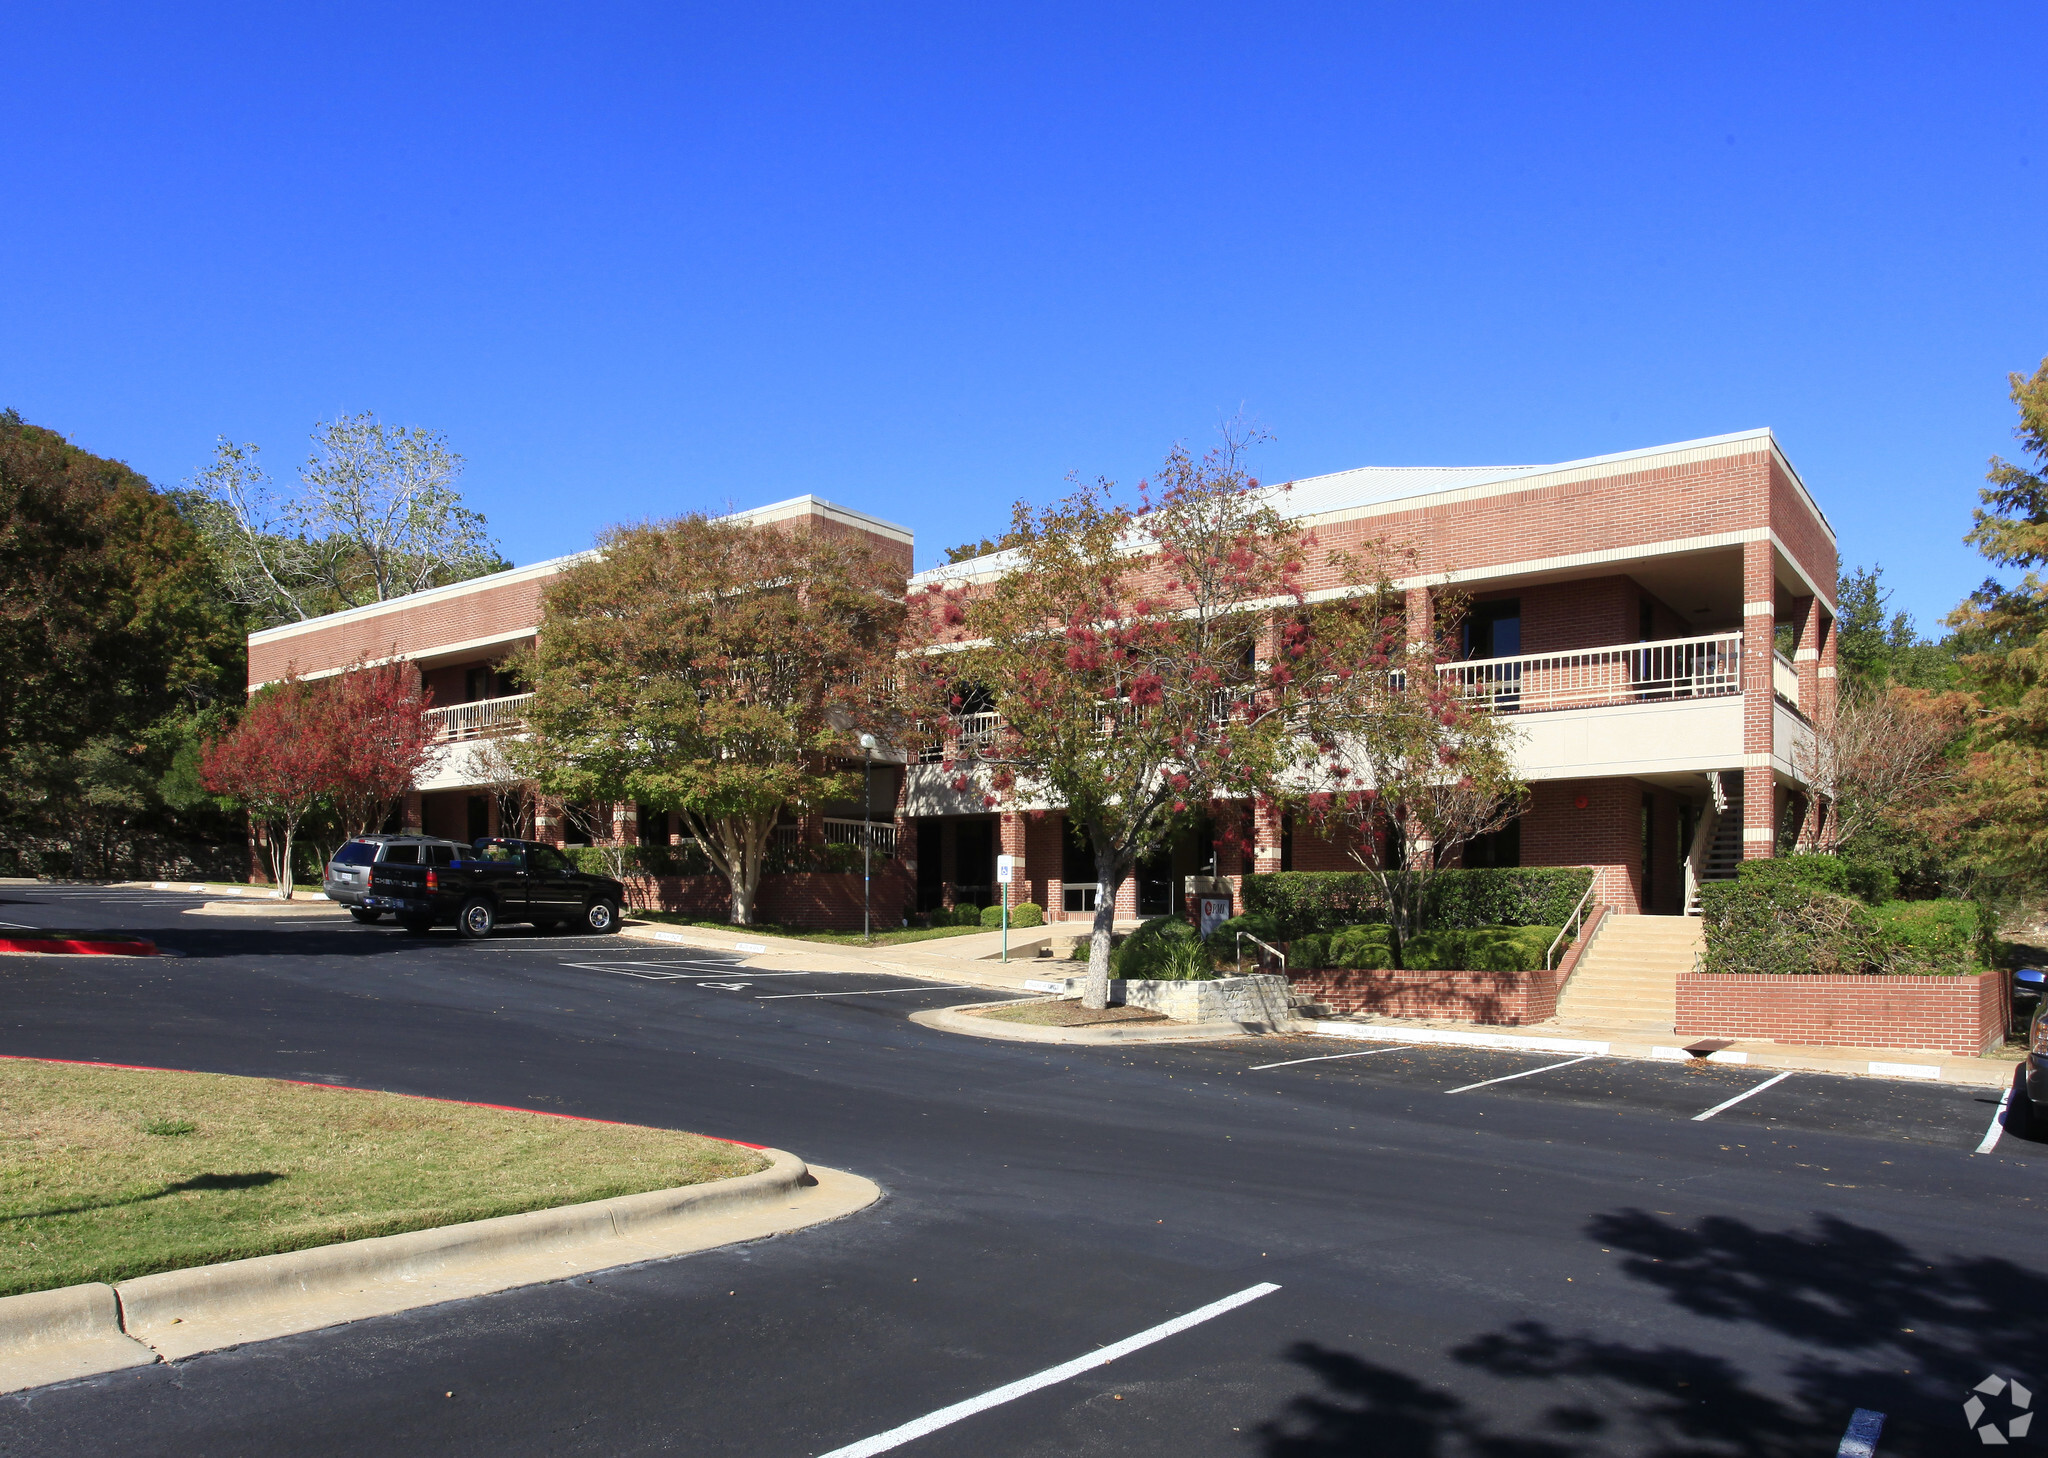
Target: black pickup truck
497,880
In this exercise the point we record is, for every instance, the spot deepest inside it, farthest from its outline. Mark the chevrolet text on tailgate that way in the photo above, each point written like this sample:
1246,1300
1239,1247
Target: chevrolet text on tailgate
497,880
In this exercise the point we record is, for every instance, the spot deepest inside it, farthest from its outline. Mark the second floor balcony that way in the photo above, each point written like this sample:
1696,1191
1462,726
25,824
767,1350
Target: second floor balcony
479,719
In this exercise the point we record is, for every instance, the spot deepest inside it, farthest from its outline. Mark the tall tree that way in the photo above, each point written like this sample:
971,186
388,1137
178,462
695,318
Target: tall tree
1407,765
720,670
376,515
1144,662
377,713
1879,646
112,632
2002,807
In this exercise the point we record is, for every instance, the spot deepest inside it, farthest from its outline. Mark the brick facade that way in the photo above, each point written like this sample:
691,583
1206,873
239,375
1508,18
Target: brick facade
1966,1016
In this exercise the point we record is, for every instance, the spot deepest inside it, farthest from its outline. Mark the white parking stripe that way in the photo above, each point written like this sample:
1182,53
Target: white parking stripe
872,992
947,1416
1731,1103
1525,1073
1860,1440
1997,1128
1325,1058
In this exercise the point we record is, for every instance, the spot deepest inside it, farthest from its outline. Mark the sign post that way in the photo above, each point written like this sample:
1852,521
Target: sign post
1006,866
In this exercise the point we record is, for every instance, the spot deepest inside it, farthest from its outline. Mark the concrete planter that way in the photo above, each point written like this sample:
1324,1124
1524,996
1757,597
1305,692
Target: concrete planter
1259,998
1963,1015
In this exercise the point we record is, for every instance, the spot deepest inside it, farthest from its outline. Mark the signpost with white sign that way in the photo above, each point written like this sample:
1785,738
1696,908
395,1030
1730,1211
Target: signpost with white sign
1006,867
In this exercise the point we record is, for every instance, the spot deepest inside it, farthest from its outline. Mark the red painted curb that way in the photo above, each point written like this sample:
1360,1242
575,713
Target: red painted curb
82,946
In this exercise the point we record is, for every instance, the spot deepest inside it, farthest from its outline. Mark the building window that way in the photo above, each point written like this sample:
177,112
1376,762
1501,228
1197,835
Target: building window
1494,629
1077,872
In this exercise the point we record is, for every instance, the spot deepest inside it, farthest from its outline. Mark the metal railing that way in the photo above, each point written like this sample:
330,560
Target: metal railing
1245,936
1784,679
880,834
1572,923
1635,673
480,719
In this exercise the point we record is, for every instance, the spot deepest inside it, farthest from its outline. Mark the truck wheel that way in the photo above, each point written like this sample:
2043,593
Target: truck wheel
601,916
364,915
478,918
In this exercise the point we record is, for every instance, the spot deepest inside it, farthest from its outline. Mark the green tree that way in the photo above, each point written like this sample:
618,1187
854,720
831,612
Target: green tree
716,669
114,639
1878,647
2001,810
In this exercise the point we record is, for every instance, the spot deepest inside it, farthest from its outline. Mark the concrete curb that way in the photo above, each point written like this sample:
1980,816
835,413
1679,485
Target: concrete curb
54,1336
301,906
961,1019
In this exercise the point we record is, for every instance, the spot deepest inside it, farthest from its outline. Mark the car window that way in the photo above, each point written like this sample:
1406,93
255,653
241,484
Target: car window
440,855
356,853
401,855
547,858
504,855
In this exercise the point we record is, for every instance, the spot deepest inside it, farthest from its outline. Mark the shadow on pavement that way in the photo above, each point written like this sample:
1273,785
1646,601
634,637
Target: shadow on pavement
1875,1323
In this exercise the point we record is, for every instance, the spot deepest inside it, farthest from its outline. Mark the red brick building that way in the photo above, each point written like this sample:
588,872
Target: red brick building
1624,610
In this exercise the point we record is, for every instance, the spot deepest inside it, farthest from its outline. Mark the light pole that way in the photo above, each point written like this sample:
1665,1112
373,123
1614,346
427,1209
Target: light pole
867,835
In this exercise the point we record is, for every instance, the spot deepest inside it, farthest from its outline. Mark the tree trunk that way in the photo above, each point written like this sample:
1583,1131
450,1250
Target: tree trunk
1107,881
281,860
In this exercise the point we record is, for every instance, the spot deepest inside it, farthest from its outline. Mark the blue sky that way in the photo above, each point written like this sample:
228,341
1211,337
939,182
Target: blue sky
926,260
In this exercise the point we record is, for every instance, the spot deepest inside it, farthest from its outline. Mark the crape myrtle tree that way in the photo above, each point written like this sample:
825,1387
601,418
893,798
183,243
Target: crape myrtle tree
1404,765
1144,661
377,719
717,669
278,764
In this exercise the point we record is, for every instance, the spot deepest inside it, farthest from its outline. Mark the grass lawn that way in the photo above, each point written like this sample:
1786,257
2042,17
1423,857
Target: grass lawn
1067,1012
886,937
111,1173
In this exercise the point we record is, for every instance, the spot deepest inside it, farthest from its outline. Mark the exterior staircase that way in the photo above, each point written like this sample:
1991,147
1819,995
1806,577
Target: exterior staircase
1724,849
1628,978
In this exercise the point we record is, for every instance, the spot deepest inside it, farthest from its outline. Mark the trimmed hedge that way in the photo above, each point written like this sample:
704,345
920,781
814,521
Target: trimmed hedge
1303,903
1024,913
1828,874
1466,949
966,913
1783,924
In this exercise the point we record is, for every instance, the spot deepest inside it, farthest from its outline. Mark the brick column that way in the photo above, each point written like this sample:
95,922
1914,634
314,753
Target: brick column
1806,656
547,819
1265,837
626,823
1759,621
1012,828
1421,618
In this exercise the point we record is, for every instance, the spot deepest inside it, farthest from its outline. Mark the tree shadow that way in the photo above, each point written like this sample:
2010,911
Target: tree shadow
1876,1325
253,1180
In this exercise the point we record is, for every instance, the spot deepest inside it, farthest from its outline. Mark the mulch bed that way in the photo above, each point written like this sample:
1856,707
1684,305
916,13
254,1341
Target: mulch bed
1068,1013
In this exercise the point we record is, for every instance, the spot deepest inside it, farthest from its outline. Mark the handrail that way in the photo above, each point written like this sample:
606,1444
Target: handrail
1702,846
1576,919
1241,936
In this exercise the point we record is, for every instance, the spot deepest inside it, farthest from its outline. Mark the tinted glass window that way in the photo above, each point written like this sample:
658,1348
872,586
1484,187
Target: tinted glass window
356,853
440,855
401,855
546,858
503,855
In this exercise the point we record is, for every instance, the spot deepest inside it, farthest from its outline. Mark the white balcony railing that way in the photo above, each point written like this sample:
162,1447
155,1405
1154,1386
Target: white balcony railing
881,834
479,720
1679,668
1784,678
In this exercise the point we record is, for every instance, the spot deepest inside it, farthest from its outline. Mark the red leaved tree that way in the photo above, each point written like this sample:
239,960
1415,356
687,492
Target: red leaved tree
278,764
377,719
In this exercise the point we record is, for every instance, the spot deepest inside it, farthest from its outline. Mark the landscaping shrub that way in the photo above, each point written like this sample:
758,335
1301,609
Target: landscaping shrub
1872,882
1364,946
1187,959
1479,949
1927,936
1302,903
1815,873
1261,924
1148,951
1024,913
597,860
967,914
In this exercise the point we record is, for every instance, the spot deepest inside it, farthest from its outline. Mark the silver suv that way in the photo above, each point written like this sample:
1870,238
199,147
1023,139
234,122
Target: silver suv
348,875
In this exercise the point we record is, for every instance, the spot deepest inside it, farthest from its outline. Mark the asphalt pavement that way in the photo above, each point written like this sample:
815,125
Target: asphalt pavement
1389,1251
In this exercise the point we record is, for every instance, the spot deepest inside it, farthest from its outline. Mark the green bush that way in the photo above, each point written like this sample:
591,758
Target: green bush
967,914
1302,903
1927,936
1815,873
1872,882
1776,925
597,860
1148,951
1465,949
1479,949
1508,896
1261,924
1027,913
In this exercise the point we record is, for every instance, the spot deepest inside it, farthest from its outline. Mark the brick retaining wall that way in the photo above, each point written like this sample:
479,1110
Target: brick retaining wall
814,901
1960,1015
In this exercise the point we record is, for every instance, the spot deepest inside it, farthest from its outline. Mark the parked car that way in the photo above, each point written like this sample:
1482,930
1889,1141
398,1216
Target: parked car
2027,1115
347,878
498,880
